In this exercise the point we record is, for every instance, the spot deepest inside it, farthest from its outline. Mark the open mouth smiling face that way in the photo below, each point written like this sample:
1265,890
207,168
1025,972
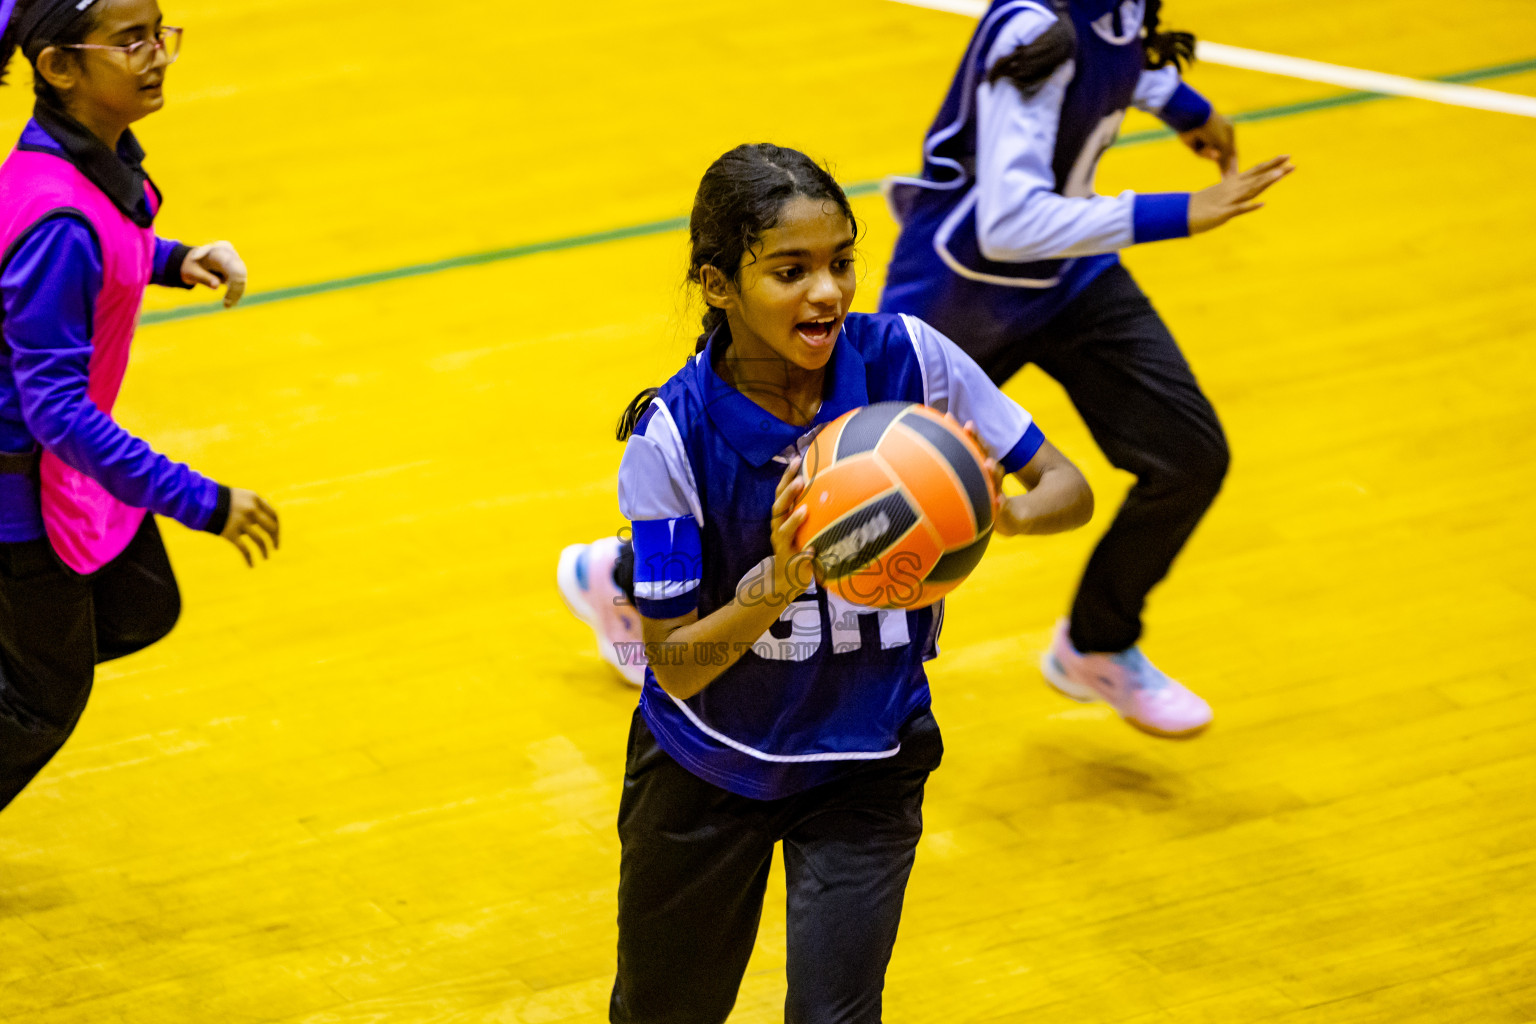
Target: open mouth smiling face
796,293
820,332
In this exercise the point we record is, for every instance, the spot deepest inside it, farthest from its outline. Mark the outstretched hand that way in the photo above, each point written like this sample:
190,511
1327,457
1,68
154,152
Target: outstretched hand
250,519
1231,197
213,265
1214,140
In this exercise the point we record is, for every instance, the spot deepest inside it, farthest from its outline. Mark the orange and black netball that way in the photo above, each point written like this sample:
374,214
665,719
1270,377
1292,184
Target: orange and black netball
899,505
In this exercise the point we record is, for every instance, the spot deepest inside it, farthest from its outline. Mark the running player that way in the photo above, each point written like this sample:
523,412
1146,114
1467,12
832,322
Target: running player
1005,247
84,576
772,711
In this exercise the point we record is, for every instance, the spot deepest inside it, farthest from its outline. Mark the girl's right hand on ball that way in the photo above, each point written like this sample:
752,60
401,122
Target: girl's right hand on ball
1231,197
793,569
994,470
250,519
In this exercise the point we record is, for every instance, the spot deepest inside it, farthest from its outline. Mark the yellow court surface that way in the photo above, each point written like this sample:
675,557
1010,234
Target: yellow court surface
376,779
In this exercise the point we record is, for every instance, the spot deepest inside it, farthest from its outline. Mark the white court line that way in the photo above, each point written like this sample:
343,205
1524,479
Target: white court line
1316,71
1366,81
974,8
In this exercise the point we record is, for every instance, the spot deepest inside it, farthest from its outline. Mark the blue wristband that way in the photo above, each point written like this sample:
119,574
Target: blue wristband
1185,110
1160,215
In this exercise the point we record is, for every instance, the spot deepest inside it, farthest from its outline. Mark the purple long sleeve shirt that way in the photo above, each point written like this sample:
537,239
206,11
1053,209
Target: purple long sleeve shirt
49,284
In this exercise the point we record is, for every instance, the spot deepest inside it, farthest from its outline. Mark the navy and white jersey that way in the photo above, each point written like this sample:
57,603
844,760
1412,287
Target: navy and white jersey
1005,201
831,683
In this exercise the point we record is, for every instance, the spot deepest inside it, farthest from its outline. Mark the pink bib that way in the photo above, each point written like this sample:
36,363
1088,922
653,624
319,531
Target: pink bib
86,525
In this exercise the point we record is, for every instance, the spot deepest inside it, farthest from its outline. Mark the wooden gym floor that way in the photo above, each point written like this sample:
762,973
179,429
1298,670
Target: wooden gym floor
376,779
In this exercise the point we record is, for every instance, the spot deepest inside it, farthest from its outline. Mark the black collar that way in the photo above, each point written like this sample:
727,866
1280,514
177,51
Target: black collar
120,175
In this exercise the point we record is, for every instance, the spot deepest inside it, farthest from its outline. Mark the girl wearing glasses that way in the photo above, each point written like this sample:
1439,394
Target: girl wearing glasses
84,576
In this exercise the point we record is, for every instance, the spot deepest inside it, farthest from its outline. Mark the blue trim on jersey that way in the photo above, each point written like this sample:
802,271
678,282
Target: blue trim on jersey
1185,110
668,608
668,561
1019,455
1156,216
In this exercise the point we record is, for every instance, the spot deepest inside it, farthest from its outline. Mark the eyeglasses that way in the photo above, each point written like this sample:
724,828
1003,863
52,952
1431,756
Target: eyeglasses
140,55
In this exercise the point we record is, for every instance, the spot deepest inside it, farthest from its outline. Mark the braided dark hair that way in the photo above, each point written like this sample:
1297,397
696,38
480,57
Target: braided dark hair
74,32
738,200
1164,48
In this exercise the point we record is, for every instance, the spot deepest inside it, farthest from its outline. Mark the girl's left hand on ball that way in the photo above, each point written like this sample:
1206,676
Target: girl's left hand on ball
793,568
213,265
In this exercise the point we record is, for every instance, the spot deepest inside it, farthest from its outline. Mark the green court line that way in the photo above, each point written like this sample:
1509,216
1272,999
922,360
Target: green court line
658,227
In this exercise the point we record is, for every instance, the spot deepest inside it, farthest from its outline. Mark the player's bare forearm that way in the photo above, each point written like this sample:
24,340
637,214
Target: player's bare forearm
1057,499
689,653
692,652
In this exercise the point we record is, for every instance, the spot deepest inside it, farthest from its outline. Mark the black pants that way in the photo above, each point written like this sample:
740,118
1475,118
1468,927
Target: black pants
56,626
695,865
1125,374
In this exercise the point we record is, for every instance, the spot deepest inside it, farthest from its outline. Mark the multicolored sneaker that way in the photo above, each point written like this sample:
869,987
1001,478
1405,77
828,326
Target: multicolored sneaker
1127,682
585,578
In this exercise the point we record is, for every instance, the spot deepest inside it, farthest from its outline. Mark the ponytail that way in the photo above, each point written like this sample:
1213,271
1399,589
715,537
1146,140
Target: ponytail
1165,48
1031,64
634,412
714,316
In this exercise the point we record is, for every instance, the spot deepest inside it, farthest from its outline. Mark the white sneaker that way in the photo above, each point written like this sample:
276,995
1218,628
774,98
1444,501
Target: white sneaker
585,578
